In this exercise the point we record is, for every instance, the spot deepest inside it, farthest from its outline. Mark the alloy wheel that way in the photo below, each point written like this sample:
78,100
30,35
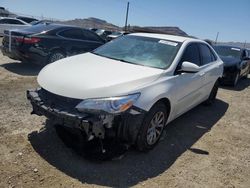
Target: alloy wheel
155,128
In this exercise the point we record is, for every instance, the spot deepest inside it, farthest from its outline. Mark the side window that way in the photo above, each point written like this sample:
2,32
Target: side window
2,21
73,34
244,54
14,22
206,54
91,36
191,54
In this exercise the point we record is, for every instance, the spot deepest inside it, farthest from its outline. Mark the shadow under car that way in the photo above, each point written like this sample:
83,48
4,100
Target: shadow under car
22,68
180,135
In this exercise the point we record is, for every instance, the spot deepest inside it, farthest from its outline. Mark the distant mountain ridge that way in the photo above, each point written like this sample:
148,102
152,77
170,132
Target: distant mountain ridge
102,24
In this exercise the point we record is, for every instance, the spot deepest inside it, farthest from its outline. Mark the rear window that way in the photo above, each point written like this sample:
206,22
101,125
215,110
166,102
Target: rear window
40,28
27,20
91,36
73,34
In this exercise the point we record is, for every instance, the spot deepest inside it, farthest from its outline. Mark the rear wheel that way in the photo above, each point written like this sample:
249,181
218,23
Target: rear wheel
152,127
56,55
213,94
246,76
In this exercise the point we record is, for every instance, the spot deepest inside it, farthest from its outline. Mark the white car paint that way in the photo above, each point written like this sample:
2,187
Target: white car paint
90,76
9,26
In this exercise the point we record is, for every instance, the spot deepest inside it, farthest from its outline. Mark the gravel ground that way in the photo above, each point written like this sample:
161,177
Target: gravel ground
206,147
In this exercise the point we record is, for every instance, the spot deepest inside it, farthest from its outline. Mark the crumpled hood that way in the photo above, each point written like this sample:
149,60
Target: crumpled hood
229,61
92,76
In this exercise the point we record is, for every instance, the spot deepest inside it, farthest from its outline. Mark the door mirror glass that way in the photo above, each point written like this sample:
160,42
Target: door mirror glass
189,67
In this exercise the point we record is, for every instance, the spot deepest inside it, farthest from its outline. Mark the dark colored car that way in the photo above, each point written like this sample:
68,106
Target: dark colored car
103,33
40,22
26,19
236,63
46,43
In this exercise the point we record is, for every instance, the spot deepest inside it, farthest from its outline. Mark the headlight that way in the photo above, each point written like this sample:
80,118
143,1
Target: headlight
111,105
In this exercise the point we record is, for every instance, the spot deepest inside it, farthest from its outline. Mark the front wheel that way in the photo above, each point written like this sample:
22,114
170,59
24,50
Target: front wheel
152,127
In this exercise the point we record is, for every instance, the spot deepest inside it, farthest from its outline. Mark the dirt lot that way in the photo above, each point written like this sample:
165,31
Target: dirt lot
206,147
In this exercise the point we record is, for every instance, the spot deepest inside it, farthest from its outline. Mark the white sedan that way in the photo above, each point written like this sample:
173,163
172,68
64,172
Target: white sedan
11,23
129,88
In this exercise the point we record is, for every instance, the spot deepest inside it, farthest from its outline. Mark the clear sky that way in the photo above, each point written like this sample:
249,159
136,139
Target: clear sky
200,18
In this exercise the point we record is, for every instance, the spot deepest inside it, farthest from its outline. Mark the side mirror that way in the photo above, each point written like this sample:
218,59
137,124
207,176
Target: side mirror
189,67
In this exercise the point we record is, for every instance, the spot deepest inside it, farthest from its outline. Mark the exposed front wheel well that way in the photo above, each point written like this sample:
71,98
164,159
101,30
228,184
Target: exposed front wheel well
166,102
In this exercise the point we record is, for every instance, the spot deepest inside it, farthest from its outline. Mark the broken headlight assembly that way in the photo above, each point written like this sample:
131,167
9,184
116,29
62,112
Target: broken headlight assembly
113,105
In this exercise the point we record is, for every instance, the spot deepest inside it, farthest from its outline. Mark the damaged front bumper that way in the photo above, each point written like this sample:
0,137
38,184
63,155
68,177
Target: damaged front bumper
61,111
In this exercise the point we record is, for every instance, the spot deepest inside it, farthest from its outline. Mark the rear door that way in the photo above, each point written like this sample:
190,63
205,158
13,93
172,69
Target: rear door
208,68
189,86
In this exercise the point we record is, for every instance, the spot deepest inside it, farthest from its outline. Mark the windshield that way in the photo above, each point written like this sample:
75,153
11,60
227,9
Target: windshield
151,52
228,51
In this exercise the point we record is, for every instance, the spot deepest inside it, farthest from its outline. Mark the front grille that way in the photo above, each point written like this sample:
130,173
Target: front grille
58,101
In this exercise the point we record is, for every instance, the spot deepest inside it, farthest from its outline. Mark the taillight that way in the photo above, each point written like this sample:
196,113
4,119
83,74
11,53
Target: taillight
31,40
19,39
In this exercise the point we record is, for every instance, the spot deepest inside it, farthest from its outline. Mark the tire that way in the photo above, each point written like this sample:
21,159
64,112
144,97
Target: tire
152,127
56,55
236,79
246,76
213,94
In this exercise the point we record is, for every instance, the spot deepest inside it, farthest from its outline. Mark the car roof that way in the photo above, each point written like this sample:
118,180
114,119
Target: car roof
166,37
1,18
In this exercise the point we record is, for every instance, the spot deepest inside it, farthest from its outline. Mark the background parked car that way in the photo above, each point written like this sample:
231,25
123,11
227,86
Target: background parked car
40,22
93,29
12,23
103,33
236,63
46,43
26,19
115,35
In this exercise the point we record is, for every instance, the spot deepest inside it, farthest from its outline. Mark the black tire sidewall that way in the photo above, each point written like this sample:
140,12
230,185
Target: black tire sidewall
141,143
213,94
54,53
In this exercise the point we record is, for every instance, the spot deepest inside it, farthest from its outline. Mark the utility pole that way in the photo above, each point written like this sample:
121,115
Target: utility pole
217,37
126,22
245,43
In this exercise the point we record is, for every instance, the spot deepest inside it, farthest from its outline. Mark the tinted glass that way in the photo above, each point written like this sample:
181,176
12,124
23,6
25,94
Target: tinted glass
10,21
15,22
206,55
73,34
2,21
27,20
91,36
244,54
227,51
191,54
146,51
